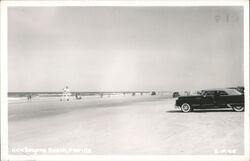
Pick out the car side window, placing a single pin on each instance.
(210, 93)
(222, 93)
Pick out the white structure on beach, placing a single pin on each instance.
(66, 93)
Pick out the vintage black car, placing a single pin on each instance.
(213, 98)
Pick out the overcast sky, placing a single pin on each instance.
(124, 48)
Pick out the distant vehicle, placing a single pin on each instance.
(214, 98)
(176, 94)
(78, 97)
(153, 93)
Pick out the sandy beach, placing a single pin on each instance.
(124, 125)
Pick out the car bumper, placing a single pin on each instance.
(177, 107)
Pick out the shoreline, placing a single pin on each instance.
(13, 100)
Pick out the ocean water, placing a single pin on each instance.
(33, 94)
(18, 97)
(49, 94)
(58, 94)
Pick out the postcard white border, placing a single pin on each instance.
(4, 79)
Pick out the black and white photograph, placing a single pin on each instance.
(125, 80)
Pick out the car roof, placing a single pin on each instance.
(225, 90)
(215, 89)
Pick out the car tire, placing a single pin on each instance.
(185, 107)
(238, 108)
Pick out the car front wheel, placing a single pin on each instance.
(238, 108)
(185, 107)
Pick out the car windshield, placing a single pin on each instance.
(232, 92)
(203, 92)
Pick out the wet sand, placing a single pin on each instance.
(125, 125)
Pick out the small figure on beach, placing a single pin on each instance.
(29, 97)
(66, 93)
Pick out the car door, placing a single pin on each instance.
(208, 99)
(221, 98)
